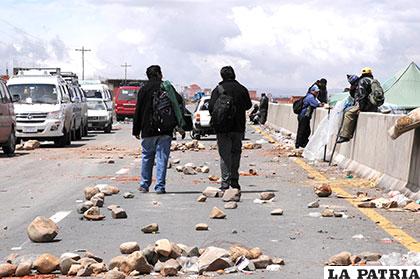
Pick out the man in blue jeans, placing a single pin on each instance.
(155, 144)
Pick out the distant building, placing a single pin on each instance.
(253, 94)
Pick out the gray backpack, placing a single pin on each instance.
(376, 96)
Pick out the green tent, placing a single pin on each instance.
(403, 89)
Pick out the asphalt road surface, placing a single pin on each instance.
(50, 181)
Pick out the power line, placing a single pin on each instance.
(125, 71)
(83, 50)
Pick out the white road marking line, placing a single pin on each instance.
(123, 171)
(59, 216)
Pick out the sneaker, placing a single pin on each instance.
(143, 190)
(160, 191)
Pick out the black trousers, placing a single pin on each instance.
(230, 149)
(303, 132)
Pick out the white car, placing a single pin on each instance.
(44, 110)
(99, 115)
(201, 119)
(94, 89)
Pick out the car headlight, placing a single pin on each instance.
(55, 115)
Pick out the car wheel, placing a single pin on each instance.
(120, 118)
(62, 141)
(10, 147)
(108, 128)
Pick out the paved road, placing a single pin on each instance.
(49, 181)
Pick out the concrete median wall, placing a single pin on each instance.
(395, 164)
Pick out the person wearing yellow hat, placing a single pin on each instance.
(368, 97)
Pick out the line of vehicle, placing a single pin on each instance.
(398, 234)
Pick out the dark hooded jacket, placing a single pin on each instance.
(241, 99)
(362, 94)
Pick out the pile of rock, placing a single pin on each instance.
(95, 199)
(192, 146)
(192, 169)
(164, 257)
(346, 259)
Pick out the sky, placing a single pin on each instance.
(277, 46)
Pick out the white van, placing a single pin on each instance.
(44, 110)
(94, 89)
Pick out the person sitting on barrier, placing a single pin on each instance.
(253, 116)
(310, 103)
(368, 96)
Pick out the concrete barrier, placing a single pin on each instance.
(372, 154)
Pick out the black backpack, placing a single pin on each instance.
(223, 115)
(298, 105)
(163, 114)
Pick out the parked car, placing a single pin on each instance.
(99, 115)
(44, 111)
(201, 119)
(125, 101)
(7, 121)
(77, 97)
(95, 89)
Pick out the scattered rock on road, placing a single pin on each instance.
(170, 268)
(93, 214)
(81, 208)
(213, 178)
(202, 227)
(46, 263)
(129, 247)
(201, 198)
(31, 145)
(128, 195)
(114, 274)
(163, 247)
(265, 196)
(42, 229)
(323, 190)
(231, 205)
(327, 213)
(212, 192)
(90, 192)
(97, 201)
(314, 204)
(210, 260)
(151, 228)
(342, 258)
(368, 204)
(23, 268)
(277, 212)
(7, 270)
(231, 195)
(118, 213)
(216, 213)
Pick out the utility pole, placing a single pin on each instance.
(83, 50)
(125, 72)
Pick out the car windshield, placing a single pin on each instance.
(93, 93)
(35, 93)
(127, 95)
(205, 105)
(96, 105)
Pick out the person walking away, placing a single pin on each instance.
(368, 97)
(157, 114)
(228, 104)
(263, 113)
(323, 92)
(310, 103)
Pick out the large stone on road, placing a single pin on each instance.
(119, 213)
(24, 268)
(170, 268)
(93, 214)
(163, 247)
(65, 264)
(74, 269)
(341, 259)
(116, 262)
(136, 261)
(90, 192)
(98, 268)
(7, 270)
(217, 213)
(209, 260)
(151, 228)
(277, 212)
(201, 227)
(114, 274)
(42, 229)
(212, 192)
(323, 190)
(46, 263)
(129, 247)
(231, 195)
(262, 262)
(265, 196)
(230, 205)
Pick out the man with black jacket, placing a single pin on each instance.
(229, 140)
(155, 143)
(263, 108)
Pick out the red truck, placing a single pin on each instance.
(125, 101)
